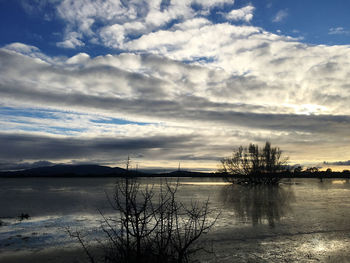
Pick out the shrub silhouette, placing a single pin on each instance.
(150, 227)
(254, 165)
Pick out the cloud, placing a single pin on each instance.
(118, 19)
(202, 105)
(71, 41)
(192, 43)
(177, 74)
(148, 151)
(280, 16)
(113, 36)
(19, 146)
(23, 165)
(129, 83)
(211, 3)
(80, 58)
(340, 163)
(338, 31)
(22, 48)
(113, 23)
(245, 14)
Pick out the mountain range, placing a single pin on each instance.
(91, 170)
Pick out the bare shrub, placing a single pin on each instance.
(150, 227)
(254, 165)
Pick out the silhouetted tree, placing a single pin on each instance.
(150, 227)
(312, 170)
(254, 165)
(298, 170)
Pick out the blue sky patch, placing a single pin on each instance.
(29, 113)
(118, 121)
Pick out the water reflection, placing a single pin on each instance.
(53, 196)
(258, 204)
(330, 184)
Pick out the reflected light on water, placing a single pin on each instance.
(206, 183)
(322, 246)
(338, 181)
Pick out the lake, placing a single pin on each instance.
(302, 220)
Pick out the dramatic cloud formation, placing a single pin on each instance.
(116, 22)
(180, 86)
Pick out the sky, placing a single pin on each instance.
(169, 82)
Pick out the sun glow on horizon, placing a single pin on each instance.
(308, 109)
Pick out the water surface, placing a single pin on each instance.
(302, 220)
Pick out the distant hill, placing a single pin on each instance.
(90, 170)
(68, 170)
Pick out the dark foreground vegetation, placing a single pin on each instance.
(149, 225)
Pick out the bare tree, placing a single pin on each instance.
(150, 226)
(253, 165)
